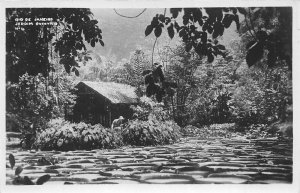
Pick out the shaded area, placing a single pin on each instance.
(102, 102)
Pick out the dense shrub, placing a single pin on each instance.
(261, 96)
(63, 135)
(220, 110)
(35, 100)
(153, 132)
(149, 109)
(153, 125)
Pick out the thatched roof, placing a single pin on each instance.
(115, 92)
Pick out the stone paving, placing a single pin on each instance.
(191, 161)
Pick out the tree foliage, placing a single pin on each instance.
(181, 70)
(262, 96)
(208, 103)
(35, 100)
(268, 29)
(131, 72)
(201, 27)
(28, 47)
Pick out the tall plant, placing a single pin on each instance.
(34, 100)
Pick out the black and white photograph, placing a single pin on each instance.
(168, 95)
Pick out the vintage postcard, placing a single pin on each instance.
(196, 94)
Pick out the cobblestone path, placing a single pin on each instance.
(192, 160)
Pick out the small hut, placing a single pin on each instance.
(102, 102)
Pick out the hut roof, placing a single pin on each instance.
(115, 92)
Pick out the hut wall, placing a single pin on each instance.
(92, 107)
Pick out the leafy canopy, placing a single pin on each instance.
(270, 28)
(28, 47)
(198, 25)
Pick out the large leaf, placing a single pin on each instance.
(234, 10)
(154, 22)
(148, 30)
(67, 68)
(228, 18)
(221, 47)
(157, 31)
(18, 170)
(185, 19)
(237, 21)
(171, 31)
(101, 42)
(93, 43)
(27, 181)
(161, 18)
(242, 10)
(12, 160)
(197, 15)
(175, 12)
(177, 27)
(255, 53)
(198, 49)
(43, 179)
(218, 29)
(261, 35)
